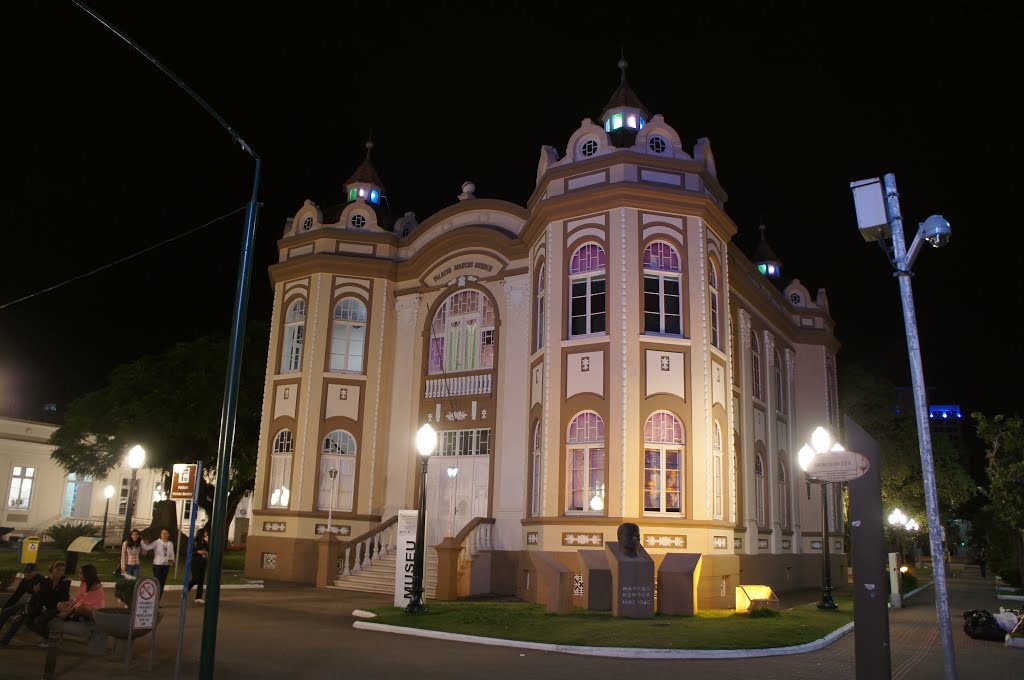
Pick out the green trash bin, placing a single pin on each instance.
(29, 552)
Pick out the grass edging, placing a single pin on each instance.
(621, 652)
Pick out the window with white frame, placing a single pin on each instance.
(780, 384)
(122, 498)
(348, 336)
(663, 464)
(294, 328)
(462, 334)
(535, 498)
(662, 285)
(337, 453)
(716, 453)
(463, 443)
(755, 363)
(783, 492)
(587, 291)
(22, 480)
(585, 458)
(539, 317)
(713, 303)
(760, 491)
(279, 488)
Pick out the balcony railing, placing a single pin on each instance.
(458, 386)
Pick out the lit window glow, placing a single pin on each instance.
(374, 196)
(352, 194)
(631, 120)
(362, 192)
(763, 268)
(616, 121)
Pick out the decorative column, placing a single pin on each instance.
(746, 415)
(402, 406)
(771, 434)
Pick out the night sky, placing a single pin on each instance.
(104, 156)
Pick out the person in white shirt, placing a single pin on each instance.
(163, 557)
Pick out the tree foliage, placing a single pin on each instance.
(170, 404)
(871, 401)
(1004, 450)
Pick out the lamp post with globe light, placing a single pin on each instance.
(426, 441)
(821, 444)
(898, 520)
(136, 457)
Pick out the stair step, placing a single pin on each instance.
(379, 576)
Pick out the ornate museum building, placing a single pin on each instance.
(604, 354)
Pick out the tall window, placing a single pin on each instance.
(539, 318)
(713, 303)
(587, 291)
(662, 308)
(783, 492)
(463, 443)
(21, 487)
(279, 489)
(348, 336)
(716, 452)
(780, 384)
(337, 453)
(663, 464)
(586, 463)
(755, 363)
(294, 327)
(760, 491)
(462, 334)
(535, 472)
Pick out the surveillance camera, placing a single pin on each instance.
(936, 231)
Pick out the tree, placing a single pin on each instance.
(1004, 450)
(171, 403)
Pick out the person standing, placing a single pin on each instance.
(131, 550)
(163, 557)
(200, 551)
(982, 562)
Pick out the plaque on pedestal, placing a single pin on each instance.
(677, 584)
(632, 575)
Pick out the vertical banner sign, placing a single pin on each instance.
(405, 544)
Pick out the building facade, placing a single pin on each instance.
(604, 354)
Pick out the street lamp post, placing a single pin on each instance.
(136, 457)
(453, 473)
(426, 440)
(333, 473)
(821, 443)
(878, 218)
(898, 520)
(107, 493)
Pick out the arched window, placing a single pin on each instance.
(587, 291)
(713, 303)
(663, 464)
(294, 327)
(755, 363)
(348, 336)
(462, 334)
(783, 492)
(338, 453)
(539, 317)
(535, 498)
(780, 384)
(585, 457)
(716, 451)
(662, 307)
(279, 488)
(760, 491)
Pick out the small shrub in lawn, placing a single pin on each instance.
(64, 534)
(7, 578)
(763, 613)
(908, 581)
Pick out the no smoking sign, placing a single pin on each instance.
(144, 609)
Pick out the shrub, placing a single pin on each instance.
(908, 582)
(7, 578)
(124, 590)
(763, 613)
(64, 534)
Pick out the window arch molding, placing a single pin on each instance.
(534, 471)
(474, 338)
(663, 299)
(761, 488)
(293, 332)
(540, 293)
(665, 469)
(715, 299)
(279, 472)
(339, 451)
(587, 285)
(757, 379)
(350, 323)
(783, 481)
(586, 464)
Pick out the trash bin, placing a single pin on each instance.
(28, 549)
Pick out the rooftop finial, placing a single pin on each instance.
(369, 145)
(623, 64)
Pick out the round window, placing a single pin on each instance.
(358, 221)
(794, 298)
(657, 144)
(589, 147)
(307, 224)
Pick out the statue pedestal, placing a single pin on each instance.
(632, 582)
(677, 584)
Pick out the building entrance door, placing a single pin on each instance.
(453, 500)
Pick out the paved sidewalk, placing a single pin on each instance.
(289, 630)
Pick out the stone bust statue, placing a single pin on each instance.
(629, 539)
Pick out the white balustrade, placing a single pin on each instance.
(458, 386)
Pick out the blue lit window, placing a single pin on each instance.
(608, 125)
(945, 414)
(374, 196)
(641, 123)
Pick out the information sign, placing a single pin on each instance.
(183, 481)
(147, 594)
(405, 559)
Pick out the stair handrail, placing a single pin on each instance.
(367, 547)
(474, 538)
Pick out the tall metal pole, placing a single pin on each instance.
(130, 508)
(106, 509)
(416, 597)
(923, 432)
(826, 577)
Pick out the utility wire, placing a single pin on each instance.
(125, 258)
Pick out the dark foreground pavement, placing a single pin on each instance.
(289, 630)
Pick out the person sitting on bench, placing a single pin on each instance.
(52, 592)
(90, 597)
(46, 593)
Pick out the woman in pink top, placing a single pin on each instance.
(90, 597)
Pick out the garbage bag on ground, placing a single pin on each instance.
(1006, 620)
(980, 624)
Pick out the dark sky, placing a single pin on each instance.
(105, 155)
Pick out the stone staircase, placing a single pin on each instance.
(379, 576)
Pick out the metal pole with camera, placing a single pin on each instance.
(879, 218)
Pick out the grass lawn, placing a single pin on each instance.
(107, 562)
(710, 629)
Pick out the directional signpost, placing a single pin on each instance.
(837, 466)
(186, 480)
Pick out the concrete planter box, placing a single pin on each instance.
(115, 622)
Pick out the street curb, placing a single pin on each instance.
(620, 652)
(227, 586)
